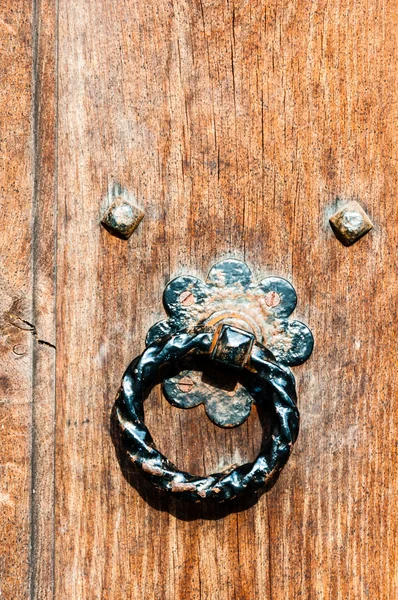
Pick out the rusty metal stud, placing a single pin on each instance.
(185, 384)
(350, 223)
(122, 218)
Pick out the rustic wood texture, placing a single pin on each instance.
(27, 294)
(237, 126)
(16, 298)
(44, 270)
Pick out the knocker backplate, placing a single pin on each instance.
(227, 343)
(229, 296)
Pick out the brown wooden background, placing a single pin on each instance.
(237, 125)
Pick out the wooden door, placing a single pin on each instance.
(238, 127)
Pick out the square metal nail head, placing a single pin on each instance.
(350, 223)
(122, 218)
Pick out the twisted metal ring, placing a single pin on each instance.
(160, 360)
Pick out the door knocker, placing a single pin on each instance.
(232, 325)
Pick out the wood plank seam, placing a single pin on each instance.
(44, 117)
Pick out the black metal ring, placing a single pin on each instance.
(164, 357)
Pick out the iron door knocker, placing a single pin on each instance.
(227, 323)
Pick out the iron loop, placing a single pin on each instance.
(162, 359)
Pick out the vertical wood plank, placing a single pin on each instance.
(136, 108)
(333, 83)
(237, 126)
(27, 239)
(44, 265)
(16, 340)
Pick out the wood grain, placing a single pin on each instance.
(239, 128)
(16, 277)
(44, 275)
(27, 239)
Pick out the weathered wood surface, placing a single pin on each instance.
(15, 297)
(237, 126)
(27, 294)
(44, 273)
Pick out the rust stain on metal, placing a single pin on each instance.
(227, 402)
(184, 487)
(151, 469)
(272, 299)
(230, 296)
(230, 300)
(187, 298)
(232, 347)
(185, 384)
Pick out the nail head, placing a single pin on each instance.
(350, 223)
(122, 218)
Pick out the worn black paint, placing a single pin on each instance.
(271, 382)
(233, 347)
(228, 325)
(230, 295)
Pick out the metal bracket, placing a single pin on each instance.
(230, 297)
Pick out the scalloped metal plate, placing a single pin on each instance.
(230, 296)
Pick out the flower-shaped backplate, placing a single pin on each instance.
(229, 296)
